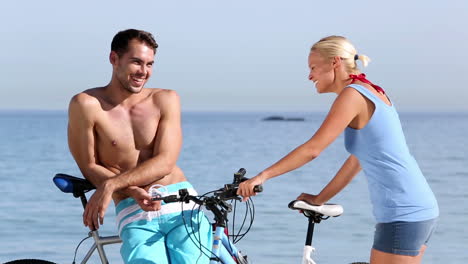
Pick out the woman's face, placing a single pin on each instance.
(321, 72)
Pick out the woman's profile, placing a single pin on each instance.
(404, 205)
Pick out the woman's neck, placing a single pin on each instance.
(342, 80)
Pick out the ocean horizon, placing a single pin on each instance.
(38, 221)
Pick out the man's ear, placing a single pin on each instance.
(113, 57)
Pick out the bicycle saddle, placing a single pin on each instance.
(71, 184)
(326, 209)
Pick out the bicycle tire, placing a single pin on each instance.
(29, 261)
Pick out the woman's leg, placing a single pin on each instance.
(401, 242)
(379, 257)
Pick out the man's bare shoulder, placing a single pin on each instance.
(87, 97)
(157, 93)
(163, 97)
(166, 100)
(87, 101)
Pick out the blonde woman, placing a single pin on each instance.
(404, 206)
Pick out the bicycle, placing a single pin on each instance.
(315, 214)
(223, 250)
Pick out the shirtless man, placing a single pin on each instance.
(126, 138)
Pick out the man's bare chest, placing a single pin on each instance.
(124, 132)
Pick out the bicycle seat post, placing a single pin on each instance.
(308, 248)
(310, 232)
(83, 199)
(313, 218)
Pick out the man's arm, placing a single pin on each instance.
(83, 111)
(81, 139)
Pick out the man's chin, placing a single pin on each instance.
(134, 90)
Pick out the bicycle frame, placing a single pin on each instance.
(99, 243)
(222, 251)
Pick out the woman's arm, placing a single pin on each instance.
(347, 106)
(343, 177)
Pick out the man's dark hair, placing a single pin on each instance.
(120, 41)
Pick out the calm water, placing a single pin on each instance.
(38, 221)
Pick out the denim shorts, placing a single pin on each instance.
(403, 238)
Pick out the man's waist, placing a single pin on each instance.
(175, 177)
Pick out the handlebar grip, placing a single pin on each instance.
(167, 199)
(171, 199)
(258, 188)
(241, 172)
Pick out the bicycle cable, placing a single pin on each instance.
(250, 210)
(196, 241)
(76, 249)
(198, 215)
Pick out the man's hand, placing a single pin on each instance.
(143, 199)
(97, 205)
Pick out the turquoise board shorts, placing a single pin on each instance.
(161, 236)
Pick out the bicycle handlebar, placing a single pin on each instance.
(217, 202)
(228, 192)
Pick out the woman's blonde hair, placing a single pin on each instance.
(338, 46)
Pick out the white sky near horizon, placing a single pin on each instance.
(235, 55)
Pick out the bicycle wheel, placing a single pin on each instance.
(29, 261)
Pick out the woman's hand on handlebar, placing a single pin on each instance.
(246, 188)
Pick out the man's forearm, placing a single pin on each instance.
(98, 174)
(144, 174)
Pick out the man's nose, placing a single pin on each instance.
(143, 69)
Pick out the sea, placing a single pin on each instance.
(39, 221)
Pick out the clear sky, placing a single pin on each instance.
(225, 55)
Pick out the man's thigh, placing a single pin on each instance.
(143, 246)
(193, 246)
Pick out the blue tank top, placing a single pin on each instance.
(397, 187)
